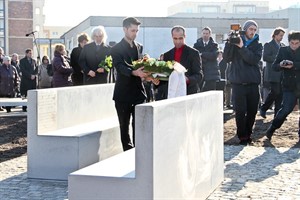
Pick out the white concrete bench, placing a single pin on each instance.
(13, 102)
(178, 155)
(70, 128)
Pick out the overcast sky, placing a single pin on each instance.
(72, 12)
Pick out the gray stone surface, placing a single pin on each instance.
(175, 157)
(250, 173)
(64, 137)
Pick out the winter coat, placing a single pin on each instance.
(61, 71)
(9, 81)
(269, 55)
(244, 67)
(45, 81)
(28, 67)
(209, 54)
(291, 77)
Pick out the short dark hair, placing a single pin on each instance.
(294, 35)
(130, 20)
(178, 28)
(277, 31)
(83, 37)
(45, 58)
(28, 50)
(206, 28)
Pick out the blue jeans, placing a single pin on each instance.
(288, 103)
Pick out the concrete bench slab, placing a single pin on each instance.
(179, 154)
(13, 102)
(70, 128)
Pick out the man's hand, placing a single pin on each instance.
(139, 72)
(32, 77)
(286, 64)
(100, 70)
(155, 81)
(92, 73)
(241, 44)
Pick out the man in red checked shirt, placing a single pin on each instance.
(187, 57)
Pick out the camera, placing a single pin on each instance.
(235, 33)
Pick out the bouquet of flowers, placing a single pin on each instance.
(106, 63)
(158, 68)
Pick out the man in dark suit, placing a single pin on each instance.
(77, 76)
(209, 51)
(92, 54)
(129, 90)
(29, 71)
(272, 77)
(187, 57)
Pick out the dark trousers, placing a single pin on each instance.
(209, 85)
(162, 91)
(288, 103)
(275, 96)
(125, 111)
(246, 99)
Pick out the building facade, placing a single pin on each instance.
(155, 32)
(230, 6)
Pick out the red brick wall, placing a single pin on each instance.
(20, 22)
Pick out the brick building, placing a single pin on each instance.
(17, 18)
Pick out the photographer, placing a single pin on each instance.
(287, 61)
(245, 77)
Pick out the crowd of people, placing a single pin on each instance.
(237, 70)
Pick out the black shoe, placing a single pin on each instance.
(262, 113)
(270, 132)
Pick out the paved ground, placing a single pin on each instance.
(250, 173)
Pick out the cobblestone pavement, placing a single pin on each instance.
(250, 173)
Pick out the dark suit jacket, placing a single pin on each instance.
(77, 76)
(27, 70)
(128, 88)
(190, 59)
(90, 58)
(269, 55)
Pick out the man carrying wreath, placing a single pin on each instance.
(187, 57)
(129, 89)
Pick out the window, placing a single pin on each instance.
(244, 9)
(208, 9)
(1, 5)
(2, 42)
(37, 11)
(1, 23)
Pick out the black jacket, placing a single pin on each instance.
(77, 76)
(190, 59)
(128, 88)
(269, 55)
(28, 69)
(9, 80)
(291, 77)
(209, 54)
(244, 62)
(90, 58)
